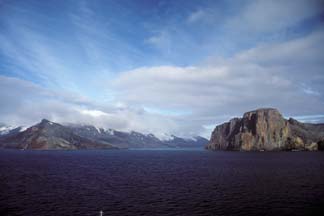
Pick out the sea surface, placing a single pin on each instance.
(161, 182)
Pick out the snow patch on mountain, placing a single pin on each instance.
(5, 129)
(109, 131)
(166, 137)
(98, 129)
(22, 128)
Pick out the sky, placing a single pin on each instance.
(163, 67)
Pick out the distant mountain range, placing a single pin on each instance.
(266, 130)
(48, 135)
(258, 130)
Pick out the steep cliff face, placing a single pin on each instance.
(266, 129)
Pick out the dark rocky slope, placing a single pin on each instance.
(117, 138)
(197, 141)
(266, 129)
(134, 139)
(49, 135)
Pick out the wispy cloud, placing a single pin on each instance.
(196, 16)
(264, 16)
(310, 118)
(161, 40)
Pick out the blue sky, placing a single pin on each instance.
(184, 65)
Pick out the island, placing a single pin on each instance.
(266, 130)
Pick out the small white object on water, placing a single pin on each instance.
(101, 213)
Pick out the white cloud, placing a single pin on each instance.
(306, 50)
(196, 16)
(93, 113)
(266, 76)
(161, 40)
(309, 91)
(263, 16)
(25, 103)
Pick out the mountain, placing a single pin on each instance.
(134, 139)
(8, 130)
(266, 129)
(175, 141)
(49, 135)
(116, 138)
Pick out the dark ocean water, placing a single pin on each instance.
(144, 182)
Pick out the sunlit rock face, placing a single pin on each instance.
(266, 129)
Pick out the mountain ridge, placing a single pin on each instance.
(51, 135)
(47, 135)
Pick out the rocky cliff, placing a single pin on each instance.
(266, 129)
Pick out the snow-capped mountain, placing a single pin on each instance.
(6, 130)
(50, 135)
(134, 139)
